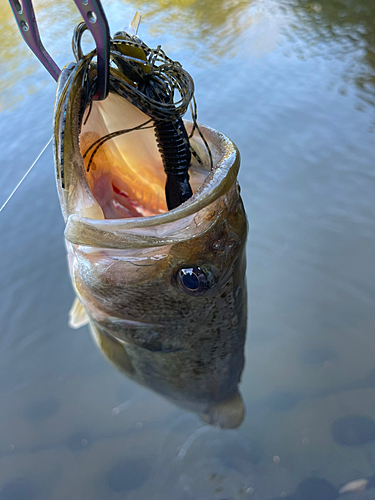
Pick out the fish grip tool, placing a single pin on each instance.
(96, 21)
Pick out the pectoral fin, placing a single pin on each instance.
(77, 315)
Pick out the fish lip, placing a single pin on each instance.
(91, 232)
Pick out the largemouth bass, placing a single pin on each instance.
(164, 291)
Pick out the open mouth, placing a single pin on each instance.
(125, 173)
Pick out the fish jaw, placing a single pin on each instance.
(71, 139)
(121, 178)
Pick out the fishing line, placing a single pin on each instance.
(24, 177)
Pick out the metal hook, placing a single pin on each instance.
(96, 21)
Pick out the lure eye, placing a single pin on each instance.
(192, 280)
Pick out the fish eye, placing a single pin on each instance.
(192, 280)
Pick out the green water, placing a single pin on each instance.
(293, 84)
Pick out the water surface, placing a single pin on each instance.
(293, 84)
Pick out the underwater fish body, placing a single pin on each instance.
(164, 292)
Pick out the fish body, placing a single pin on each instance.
(164, 292)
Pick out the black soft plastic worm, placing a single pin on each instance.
(173, 141)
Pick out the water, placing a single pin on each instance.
(293, 84)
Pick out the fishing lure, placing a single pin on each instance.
(150, 81)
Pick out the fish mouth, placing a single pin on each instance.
(123, 166)
(118, 188)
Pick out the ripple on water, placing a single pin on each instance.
(319, 355)
(41, 410)
(283, 400)
(370, 379)
(211, 463)
(353, 430)
(79, 441)
(313, 488)
(360, 495)
(128, 475)
(18, 489)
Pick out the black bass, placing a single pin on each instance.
(164, 291)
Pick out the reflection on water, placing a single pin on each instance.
(212, 31)
(12, 56)
(73, 427)
(211, 28)
(17, 63)
(342, 29)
